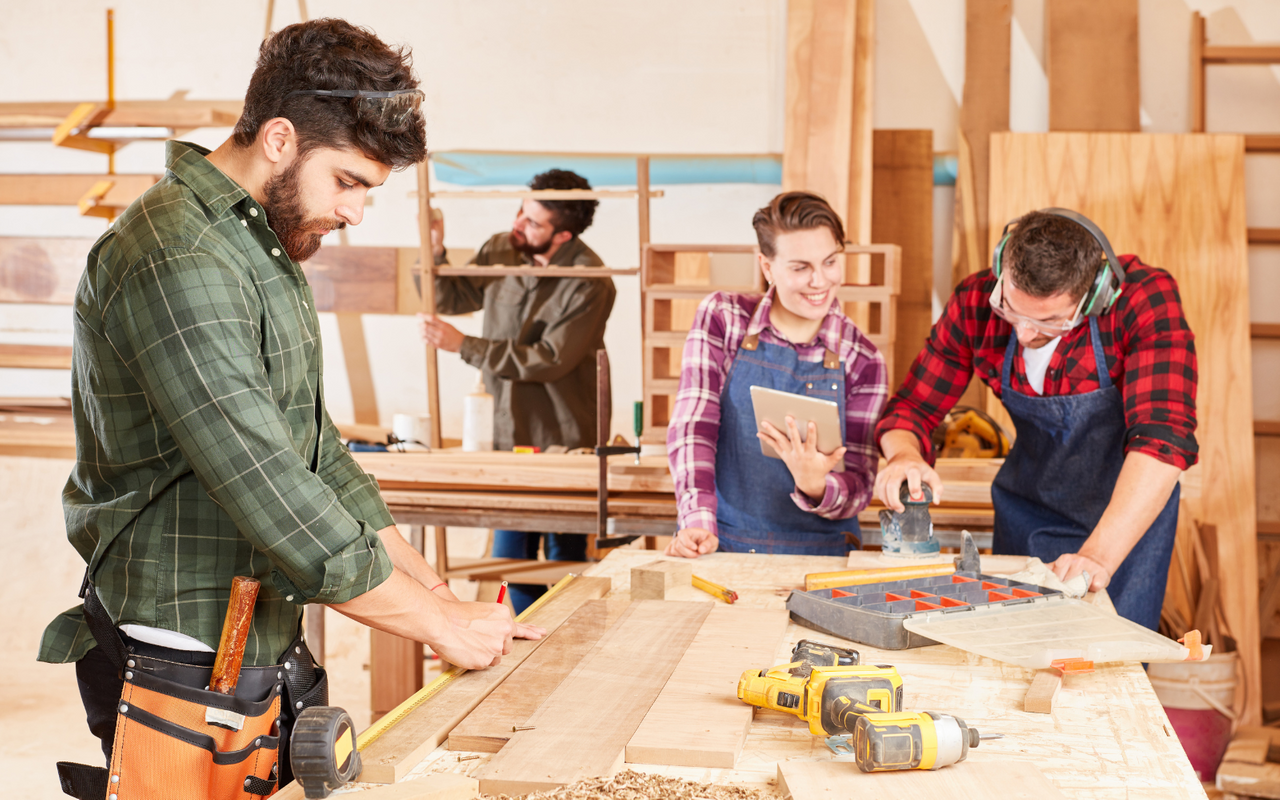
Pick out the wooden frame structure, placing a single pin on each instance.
(674, 279)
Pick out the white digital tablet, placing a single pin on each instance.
(774, 406)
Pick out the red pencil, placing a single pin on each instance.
(502, 592)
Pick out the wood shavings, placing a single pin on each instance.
(630, 785)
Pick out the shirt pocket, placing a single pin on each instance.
(289, 341)
(820, 388)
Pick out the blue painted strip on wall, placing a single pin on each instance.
(501, 169)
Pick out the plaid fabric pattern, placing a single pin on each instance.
(203, 450)
(1149, 347)
(722, 321)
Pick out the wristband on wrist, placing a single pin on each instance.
(438, 585)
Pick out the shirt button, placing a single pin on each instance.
(809, 385)
(289, 598)
(833, 386)
(275, 251)
(253, 212)
(244, 222)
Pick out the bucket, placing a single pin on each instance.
(1197, 696)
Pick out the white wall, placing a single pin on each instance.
(565, 75)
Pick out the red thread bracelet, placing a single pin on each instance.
(438, 585)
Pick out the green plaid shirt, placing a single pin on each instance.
(203, 449)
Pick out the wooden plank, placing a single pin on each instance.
(1242, 54)
(652, 581)
(67, 190)
(389, 758)
(984, 110)
(395, 670)
(427, 288)
(1043, 692)
(1265, 330)
(827, 136)
(489, 727)
(902, 213)
(1196, 106)
(437, 786)
(355, 357)
(353, 280)
(34, 356)
(1092, 55)
(583, 727)
(1264, 236)
(1177, 201)
(697, 720)
(175, 113)
(968, 780)
(41, 270)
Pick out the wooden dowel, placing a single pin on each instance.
(427, 258)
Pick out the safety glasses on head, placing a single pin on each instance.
(391, 108)
(1053, 328)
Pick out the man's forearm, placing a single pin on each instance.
(407, 559)
(1141, 492)
(898, 442)
(400, 605)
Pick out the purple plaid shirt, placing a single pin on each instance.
(722, 322)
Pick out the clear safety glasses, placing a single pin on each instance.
(391, 109)
(1046, 327)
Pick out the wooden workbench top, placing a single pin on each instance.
(1108, 739)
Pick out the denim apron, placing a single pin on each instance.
(755, 512)
(1058, 479)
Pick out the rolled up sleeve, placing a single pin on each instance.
(188, 329)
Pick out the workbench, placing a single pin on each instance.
(1108, 738)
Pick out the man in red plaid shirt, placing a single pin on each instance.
(1095, 363)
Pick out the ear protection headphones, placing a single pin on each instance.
(1110, 279)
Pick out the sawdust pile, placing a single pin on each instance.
(629, 785)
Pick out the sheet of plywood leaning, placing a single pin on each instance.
(698, 720)
(584, 725)
(1177, 201)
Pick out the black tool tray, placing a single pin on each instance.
(873, 613)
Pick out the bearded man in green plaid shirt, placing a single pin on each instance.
(203, 447)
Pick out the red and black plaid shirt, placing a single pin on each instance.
(1149, 347)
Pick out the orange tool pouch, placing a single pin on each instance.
(175, 740)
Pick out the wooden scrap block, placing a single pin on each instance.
(441, 786)
(490, 726)
(583, 728)
(390, 757)
(1043, 692)
(968, 780)
(698, 720)
(651, 581)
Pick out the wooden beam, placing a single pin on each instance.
(1265, 330)
(492, 724)
(34, 356)
(389, 758)
(178, 114)
(1199, 235)
(690, 724)
(984, 110)
(1264, 236)
(67, 190)
(902, 213)
(583, 727)
(1243, 54)
(1196, 106)
(426, 264)
(827, 138)
(1092, 55)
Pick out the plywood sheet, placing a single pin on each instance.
(902, 214)
(584, 725)
(1178, 202)
(1092, 56)
(390, 757)
(698, 720)
(490, 726)
(968, 780)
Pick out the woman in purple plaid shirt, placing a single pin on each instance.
(796, 339)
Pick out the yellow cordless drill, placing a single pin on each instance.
(911, 740)
(828, 698)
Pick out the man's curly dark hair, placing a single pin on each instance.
(574, 216)
(334, 54)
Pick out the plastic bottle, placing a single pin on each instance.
(477, 420)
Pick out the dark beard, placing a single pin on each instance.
(287, 218)
(526, 248)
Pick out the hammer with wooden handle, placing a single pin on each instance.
(235, 634)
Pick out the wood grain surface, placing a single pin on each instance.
(653, 581)
(698, 720)
(235, 634)
(583, 727)
(390, 757)
(1092, 65)
(1178, 202)
(967, 780)
(490, 726)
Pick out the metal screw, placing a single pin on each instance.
(515, 728)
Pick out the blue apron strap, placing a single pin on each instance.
(1099, 357)
(1007, 369)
